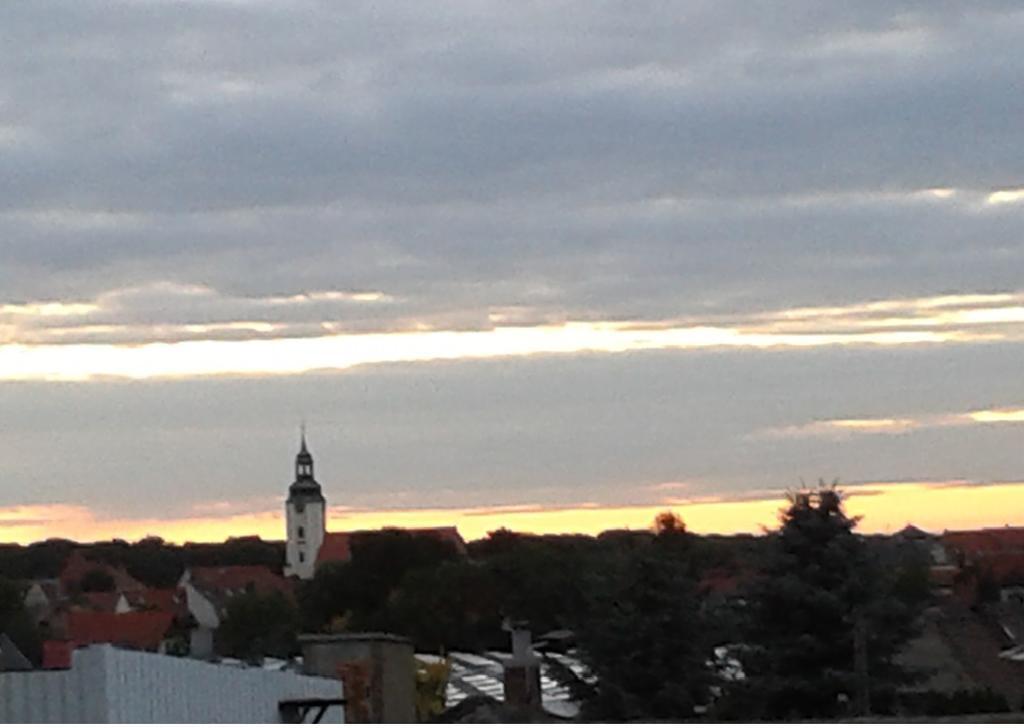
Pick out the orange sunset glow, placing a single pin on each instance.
(883, 507)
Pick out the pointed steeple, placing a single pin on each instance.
(303, 461)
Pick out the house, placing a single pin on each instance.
(78, 566)
(42, 598)
(150, 631)
(232, 580)
(168, 600)
(105, 602)
(207, 590)
(989, 558)
(147, 631)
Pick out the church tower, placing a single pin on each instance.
(304, 517)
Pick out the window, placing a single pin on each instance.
(302, 532)
(302, 557)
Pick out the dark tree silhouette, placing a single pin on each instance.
(259, 625)
(358, 591)
(824, 624)
(16, 623)
(645, 637)
(97, 580)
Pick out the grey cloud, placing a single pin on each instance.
(556, 160)
(553, 430)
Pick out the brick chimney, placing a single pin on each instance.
(376, 669)
(522, 671)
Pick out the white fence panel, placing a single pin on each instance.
(109, 685)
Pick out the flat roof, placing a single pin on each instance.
(354, 637)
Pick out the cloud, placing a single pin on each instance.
(844, 428)
(644, 164)
(181, 331)
(1003, 197)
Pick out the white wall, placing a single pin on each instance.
(108, 685)
(313, 524)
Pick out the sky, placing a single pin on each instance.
(555, 266)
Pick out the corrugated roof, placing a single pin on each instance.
(475, 675)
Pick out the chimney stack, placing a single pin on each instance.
(522, 671)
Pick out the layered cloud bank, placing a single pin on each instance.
(202, 344)
(504, 253)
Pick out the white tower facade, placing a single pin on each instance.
(305, 518)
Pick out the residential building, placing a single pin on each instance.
(104, 684)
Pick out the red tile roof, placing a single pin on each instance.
(998, 552)
(78, 565)
(987, 540)
(338, 546)
(239, 579)
(138, 630)
(444, 533)
(167, 600)
(100, 601)
(57, 654)
(1006, 569)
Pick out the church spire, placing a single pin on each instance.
(303, 461)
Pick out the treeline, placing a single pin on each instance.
(421, 587)
(802, 622)
(151, 561)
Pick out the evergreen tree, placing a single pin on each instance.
(824, 622)
(644, 638)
